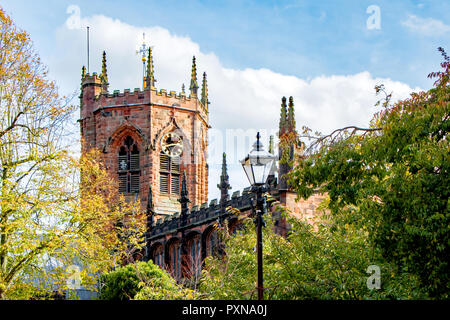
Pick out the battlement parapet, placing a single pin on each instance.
(89, 80)
(116, 98)
(205, 213)
(115, 93)
(127, 97)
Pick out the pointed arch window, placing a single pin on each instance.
(158, 257)
(212, 241)
(175, 257)
(196, 256)
(129, 167)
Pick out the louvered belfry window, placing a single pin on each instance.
(169, 174)
(129, 167)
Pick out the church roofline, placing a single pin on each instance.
(203, 214)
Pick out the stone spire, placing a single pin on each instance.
(283, 117)
(104, 75)
(194, 85)
(224, 184)
(150, 207)
(150, 78)
(83, 76)
(291, 117)
(205, 91)
(184, 200)
(271, 150)
(183, 93)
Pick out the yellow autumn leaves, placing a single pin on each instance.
(53, 206)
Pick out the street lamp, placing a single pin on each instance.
(257, 166)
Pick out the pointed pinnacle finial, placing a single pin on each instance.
(150, 205)
(83, 73)
(194, 69)
(205, 91)
(104, 75)
(184, 200)
(271, 150)
(184, 191)
(291, 116)
(194, 85)
(150, 78)
(182, 90)
(224, 184)
(150, 208)
(224, 165)
(283, 117)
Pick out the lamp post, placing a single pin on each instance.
(257, 166)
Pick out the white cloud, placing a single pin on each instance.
(426, 26)
(241, 99)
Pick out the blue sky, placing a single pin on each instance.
(321, 52)
(302, 38)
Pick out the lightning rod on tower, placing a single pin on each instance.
(87, 34)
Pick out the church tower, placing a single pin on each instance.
(149, 138)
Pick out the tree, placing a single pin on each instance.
(46, 214)
(328, 260)
(396, 173)
(142, 281)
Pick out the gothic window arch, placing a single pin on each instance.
(175, 259)
(158, 256)
(212, 242)
(196, 256)
(129, 167)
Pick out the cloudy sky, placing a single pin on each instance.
(328, 55)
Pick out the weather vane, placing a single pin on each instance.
(143, 50)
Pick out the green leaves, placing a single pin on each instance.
(142, 281)
(45, 212)
(398, 177)
(322, 261)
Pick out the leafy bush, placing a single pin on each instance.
(142, 281)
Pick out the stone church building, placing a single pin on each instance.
(155, 144)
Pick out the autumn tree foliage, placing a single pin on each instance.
(47, 214)
(396, 173)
